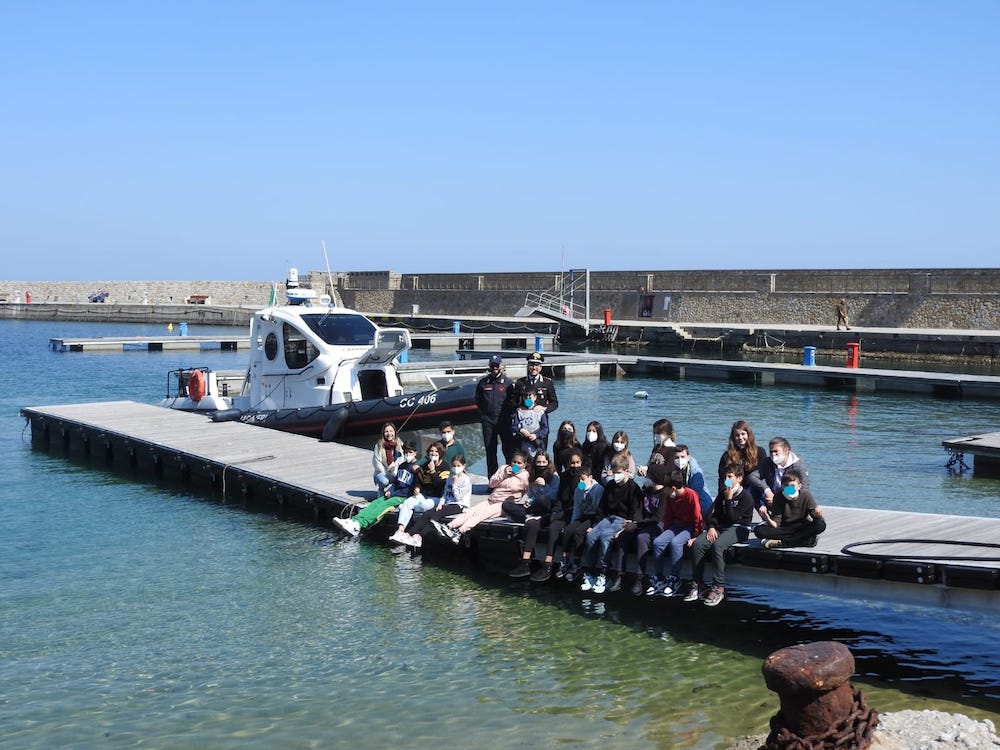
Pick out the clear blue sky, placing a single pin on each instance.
(217, 140)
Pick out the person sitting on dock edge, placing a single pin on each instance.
(553, 522)
(680, 522)
(619, 505)
(509, 483)
(727, 524)
(533, 506)
(795, 519)
(455, 499)
(404, 484)
(586, 504)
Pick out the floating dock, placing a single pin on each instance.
(527, 341)
(984, 448)
(291, 474)
(858, 379)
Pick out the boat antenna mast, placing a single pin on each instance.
(329, 276)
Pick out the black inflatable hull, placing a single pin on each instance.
(411, 411)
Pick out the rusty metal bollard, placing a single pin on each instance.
(820, 709)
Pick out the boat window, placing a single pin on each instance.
(342, 329)
(271, 346)
(299, 351)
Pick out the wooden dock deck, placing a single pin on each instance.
(318, 481)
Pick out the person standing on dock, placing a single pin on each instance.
(842, 315)
(492, 392)
(545, 389)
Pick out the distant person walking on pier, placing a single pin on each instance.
(492, 400)
(842, 315)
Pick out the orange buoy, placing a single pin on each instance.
(196, 385)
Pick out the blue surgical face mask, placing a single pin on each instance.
(529, 402)
(581, 485)
(728, 482)
(515, 468)
(789, 490)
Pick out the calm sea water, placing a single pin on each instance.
(137, 615)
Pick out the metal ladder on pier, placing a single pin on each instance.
(567, 301)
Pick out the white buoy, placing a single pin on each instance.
(640, 394)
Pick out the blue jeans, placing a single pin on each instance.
(675, 537)
(597, 548)
(417, 503)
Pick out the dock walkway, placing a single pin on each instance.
(319, 481)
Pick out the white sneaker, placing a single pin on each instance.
(348, 525)
(671, 588)
(416, 540)
(588, 583)
(399, 537)
(600, 584)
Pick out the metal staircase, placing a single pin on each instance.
(567, 301)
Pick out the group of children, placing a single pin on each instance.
(595, 505)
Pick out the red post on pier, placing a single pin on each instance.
(853, 353)
(607, 317)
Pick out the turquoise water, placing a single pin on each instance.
(134, 614)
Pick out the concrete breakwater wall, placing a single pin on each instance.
(914, 298)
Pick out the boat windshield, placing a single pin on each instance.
(342, 329)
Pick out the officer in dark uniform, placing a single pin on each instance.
(494, 399)
(545, 389)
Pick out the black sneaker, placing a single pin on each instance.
(638, 587)
(616, 585)
(543, 573)
(521, 570)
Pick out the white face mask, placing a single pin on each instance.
(410, 457)
(618, 446)
(592, 436)
(457, 469)
(447, 436)
(620, 477)
(681, 463)
(658, 439)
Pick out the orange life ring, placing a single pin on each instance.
(196, 385)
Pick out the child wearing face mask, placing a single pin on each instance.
(509, 483)
(620, 504)
(594, 447)
(586, 504)
(530, 423)
(681, 521)
(795, 520)
(404, 484)
(694, 477)
(452, 445)
(727, 524)
(661, 455)
(618, 447)
(456, 499)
